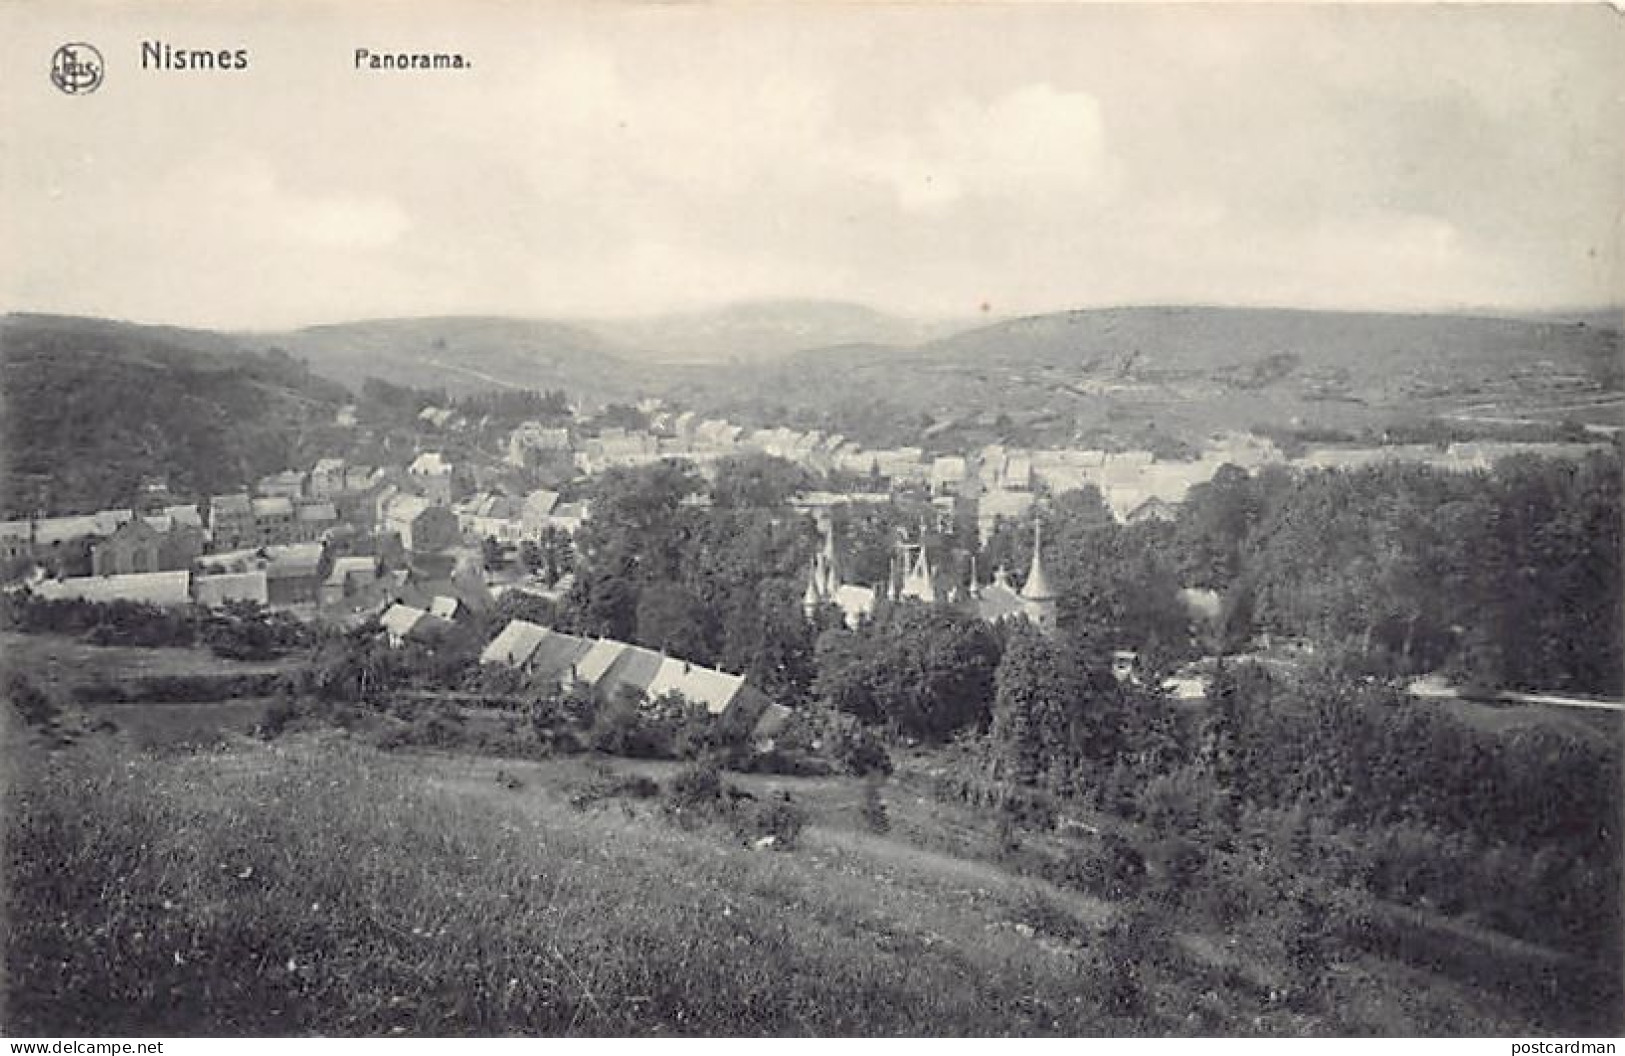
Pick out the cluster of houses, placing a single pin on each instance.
(612, 670)
(296, 538)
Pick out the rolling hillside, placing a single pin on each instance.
(1198, 368)
(92, 407)
(464, 354)
(763, 331)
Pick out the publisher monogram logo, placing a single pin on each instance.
(77, 68)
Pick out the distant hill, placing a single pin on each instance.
(464, 354)
(1190, 370)
(93, 407)
(762, 331)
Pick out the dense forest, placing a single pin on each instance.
(91, 412)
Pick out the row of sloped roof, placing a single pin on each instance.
(608, 666)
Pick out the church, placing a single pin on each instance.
(912, 579)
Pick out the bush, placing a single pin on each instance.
(780, 818)
(861, 752)
(783, 762)
(695, 787)
(1114, 870)
(873, 809)
(282, 713)
(34, 704)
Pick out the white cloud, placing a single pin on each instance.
(243, 195)
(1032, 141)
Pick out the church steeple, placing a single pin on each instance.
(1038, 597)
(919, 582)
(832, 568)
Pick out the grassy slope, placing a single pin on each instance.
(1200, 368)
(314, 886)
(465, 354)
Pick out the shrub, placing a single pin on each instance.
(860, 751)
(282, 713)
(873, 809)
(34, 704)
(780, 818)
(784, 762)
(695, 787)
(1112, 870)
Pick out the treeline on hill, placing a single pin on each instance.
(511, 406)
(91, 408)
(1324, 814)
(1508, 578)
(1505, 578)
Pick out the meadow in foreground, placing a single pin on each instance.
(316, 886)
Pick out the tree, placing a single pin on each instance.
(757, 481)
(639, 525)
(921, 671)
(673, 619)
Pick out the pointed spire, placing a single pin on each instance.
(1037, 587)
(831, 568)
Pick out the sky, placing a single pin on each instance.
(931, 160)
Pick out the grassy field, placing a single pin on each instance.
(67, 667)
(313, 885)
(63, 660)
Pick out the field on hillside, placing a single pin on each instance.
(82, 673)
(313, 885)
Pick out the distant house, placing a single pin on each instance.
(133, 547)
(138, 546)
(168, 518)
(549, 657)
(430, 476)
(327, 477)
(295, 573)
(348, 577)
(289, 484)
(999, 600)
(231, 521)
(403, 623)
(948, 475)
(492, 517)
(537, 511)
(728, 697)
(514, 644)
(214, 591)
(532, 443)
(422, 526)
(151, 588)
(313, 520)
(1152, 510)
(568, 517)
(995, 506)
(610, 668)
(16, 540)
(275, 521)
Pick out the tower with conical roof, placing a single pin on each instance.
(824, 578)
(1037, 596)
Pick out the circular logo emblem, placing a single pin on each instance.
(77, 68)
